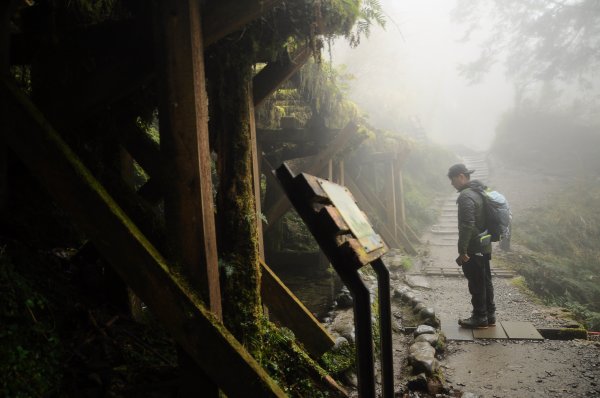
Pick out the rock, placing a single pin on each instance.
(408, 298)
(350, 378)
(339, 342)
(424, 329)
(418, 307)
(469, 395)
(422, 358)
(417, 281)
(432, 339)
(400, 291)
(344, 300)
(417, 383)
(427, 313)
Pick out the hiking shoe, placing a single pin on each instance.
(491, 320)
(474, 322)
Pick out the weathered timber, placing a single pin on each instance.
(5, 13)
(276, 73)
(256, 158)
(291, 313)
(380, 209)
(320, 162)
(143, 148)
(364, 203)
(136, 260)
(221, 18)
(185, 152)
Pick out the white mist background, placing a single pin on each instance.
(409, 72)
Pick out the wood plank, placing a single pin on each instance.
(276, 73)
(520, 330)
(221, 18)
(136, 260)
(291, 313)
(320, 161)
(453, 331)
(184, 144)
(256, 158)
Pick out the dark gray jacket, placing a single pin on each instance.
(471, 219)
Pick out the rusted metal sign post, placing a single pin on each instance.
(346, 237)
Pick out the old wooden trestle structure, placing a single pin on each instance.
(120, 222)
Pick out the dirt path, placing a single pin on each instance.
(502, 368)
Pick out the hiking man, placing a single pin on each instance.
(474, 247)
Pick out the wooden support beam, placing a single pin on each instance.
(256, 158)
(291, 313)
(379, 208)
(185, 153)
(320, 162)
(143, 148)
(221, 18)
(5, 14)
(136, 260)
(276, 73)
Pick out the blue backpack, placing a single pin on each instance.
(497, 215)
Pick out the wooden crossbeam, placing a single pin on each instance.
(321, 160)
(136, 260)
(276, 73)
(221, 18)
(288, 310)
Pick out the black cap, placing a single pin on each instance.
(459, 169)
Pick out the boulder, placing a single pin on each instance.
(424, 329)
(422, 358)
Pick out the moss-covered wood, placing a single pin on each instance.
(230, 77)
(134, 257)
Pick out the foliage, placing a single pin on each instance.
(370, 13)
(545, 45)
(287, 363)
(296, 235)
(544, 39)
(341, 359)
(29, 345)
(563, 234)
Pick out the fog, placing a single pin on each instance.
(409, 72)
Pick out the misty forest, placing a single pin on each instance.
(303, 198)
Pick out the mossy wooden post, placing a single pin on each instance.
(256, 160)
(4, 71)
(185, 155)
(237, 221)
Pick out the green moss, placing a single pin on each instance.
(30, 348)
(339, 361)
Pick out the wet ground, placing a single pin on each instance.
(504, 368)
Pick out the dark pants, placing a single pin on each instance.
(478, 274)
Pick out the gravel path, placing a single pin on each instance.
(502, 368)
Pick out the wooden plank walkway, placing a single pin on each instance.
(457, 272)
(505, 330)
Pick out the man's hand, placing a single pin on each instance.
(461, 259)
